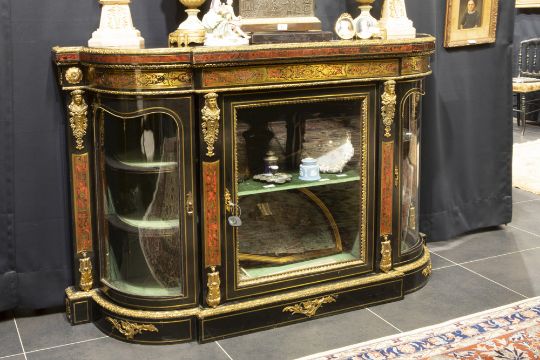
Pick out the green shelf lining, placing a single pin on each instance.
(251, 273)
(143, 166)
(251, 186)
(144, 289)
(150, 224)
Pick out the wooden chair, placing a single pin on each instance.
(527, 84)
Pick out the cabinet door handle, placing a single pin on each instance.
(189, 203)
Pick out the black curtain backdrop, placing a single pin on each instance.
(465, 158)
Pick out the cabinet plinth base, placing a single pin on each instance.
(242, 317)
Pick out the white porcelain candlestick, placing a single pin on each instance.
(366, 26)
(116, 27)
(394, 21)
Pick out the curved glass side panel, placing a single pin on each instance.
(301, 170)
(410, 152)
(140, 185)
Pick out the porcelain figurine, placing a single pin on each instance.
(223, 26)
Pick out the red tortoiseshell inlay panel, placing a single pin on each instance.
(387, 189)
(211, 195)
(256, 54)
(81, 202)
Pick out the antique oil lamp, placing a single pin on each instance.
(191, 31)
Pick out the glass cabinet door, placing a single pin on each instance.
(301, 178)
(410, 154)
(140, 197)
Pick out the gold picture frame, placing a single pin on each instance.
(470, 22)
(523, 4)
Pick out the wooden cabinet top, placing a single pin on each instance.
(221, 68)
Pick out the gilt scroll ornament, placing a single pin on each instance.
(85, 269)
(213, 298)
(77, 117)
(388, 109)
(210, 122)
(386, 254)
(309, 307)
(129, 329)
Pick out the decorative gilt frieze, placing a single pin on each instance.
(414, 65)
(77, 117)
(388, 108)
(386, 254)
(213, 297)
(427, 270)
(129, 329)
(73, 75)
(140, 79)
(309, 307)
(85, 269)
(273, 74)
(210, 122)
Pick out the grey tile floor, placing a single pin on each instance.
(471, 273)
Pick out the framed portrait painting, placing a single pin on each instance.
(470, 22)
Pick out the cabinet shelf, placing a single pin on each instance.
(141, 166)
(251, 187)
(132, 225)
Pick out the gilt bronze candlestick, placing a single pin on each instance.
(191, 31)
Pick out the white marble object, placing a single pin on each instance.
(116, 27)
(223, 26)
(394, 21)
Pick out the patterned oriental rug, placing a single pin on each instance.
(526, 166)
(507, 332)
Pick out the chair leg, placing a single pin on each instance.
(523, 112)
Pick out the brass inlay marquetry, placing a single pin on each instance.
(388, 108)
(213, 297)
(427, 270)
(77, 117)
(272, 74)
(139, 79)
(386, 254)
(73, 75)
(414, 65)
(129, 329)
(210, 122)
(85, 269)
(309, 307)
(82, 214)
